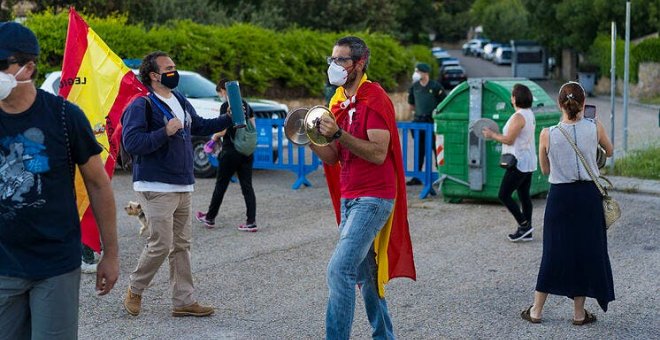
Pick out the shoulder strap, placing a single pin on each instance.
(72, 172)
(584, 162)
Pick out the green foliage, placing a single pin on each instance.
(505, 20)
(276, 63)
(640, 163)
(422, 54)
(600, 54)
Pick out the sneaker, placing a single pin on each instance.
(132, 302)
(193, 310)
(522, 234)
(88, 268)
(414, 181)
(252, 227)
(201, 218)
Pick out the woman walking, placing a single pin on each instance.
(518, 140)
(575, 262)
(231, 161)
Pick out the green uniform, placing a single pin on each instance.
(425, 99)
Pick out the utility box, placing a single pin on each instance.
(470, 166)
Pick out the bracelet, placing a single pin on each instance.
(337, 134)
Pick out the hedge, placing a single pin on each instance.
(600, 54)
(266, 62)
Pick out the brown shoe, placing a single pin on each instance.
(132, 302)
(588, 318)
(193, 310)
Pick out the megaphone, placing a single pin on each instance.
(301, 126)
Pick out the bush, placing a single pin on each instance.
(266, 62)
(600, 54)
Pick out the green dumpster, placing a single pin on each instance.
(469, 166)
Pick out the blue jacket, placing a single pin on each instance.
(156, 156)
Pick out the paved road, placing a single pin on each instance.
(472, 282)
(643, 120)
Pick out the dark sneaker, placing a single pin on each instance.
(522, 234)
(252, 227)
(414, 181)
(201, 218)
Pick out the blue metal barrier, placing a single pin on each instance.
(275, 152)
(427, 176)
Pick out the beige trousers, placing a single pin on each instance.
(169, 234)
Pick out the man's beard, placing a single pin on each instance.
(350, 80)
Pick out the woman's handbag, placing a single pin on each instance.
(611, 207)
(508, 161)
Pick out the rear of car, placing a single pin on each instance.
(451, 76)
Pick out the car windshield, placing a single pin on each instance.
(196, 86)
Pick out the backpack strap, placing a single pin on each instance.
(67, 141)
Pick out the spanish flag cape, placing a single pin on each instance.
(98, 81)
(394, 255)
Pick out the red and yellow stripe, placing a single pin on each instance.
(98, 81)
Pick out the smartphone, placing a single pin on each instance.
(590, 111)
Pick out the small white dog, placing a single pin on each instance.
(134, 209)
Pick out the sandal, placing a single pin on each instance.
(527, 315)
(588, 318)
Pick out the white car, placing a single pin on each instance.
(203, 97)
(502, 55)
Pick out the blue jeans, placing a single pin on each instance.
(40, 309)
(354, 262)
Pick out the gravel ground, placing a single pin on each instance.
(471, 281)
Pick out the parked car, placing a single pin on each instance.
(478, 49)
(449, 62)
(437, 51)
(490, 49)
(441, 57)
(203, 97)
(502, 55)
(452, 76)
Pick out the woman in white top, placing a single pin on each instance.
(575, 262)
(518, 139)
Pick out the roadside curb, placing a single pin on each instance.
(635, 185)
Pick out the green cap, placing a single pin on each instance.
(423, 67)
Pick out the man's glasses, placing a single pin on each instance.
(4, 64)
(341, 61)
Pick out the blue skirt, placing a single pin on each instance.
(575, 260)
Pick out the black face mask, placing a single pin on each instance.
(170, 79)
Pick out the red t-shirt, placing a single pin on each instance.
(358, 177)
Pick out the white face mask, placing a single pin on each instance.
(337, 75)
(8, 82)
(416, 77)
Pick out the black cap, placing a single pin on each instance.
(423, 67)
(15, 37)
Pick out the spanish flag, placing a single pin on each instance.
(394, 254)
(98, 81)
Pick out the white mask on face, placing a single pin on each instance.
(337, 75)
(8, 82)
(416, 77)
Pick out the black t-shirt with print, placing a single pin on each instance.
(39, 223)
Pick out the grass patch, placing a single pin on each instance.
(652, 100)
(639, 163)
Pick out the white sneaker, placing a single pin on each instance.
(88, 268)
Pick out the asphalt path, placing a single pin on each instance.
(471, 281)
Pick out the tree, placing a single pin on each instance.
(505, 20)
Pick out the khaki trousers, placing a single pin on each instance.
(169, 234)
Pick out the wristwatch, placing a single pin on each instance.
(337, 134)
